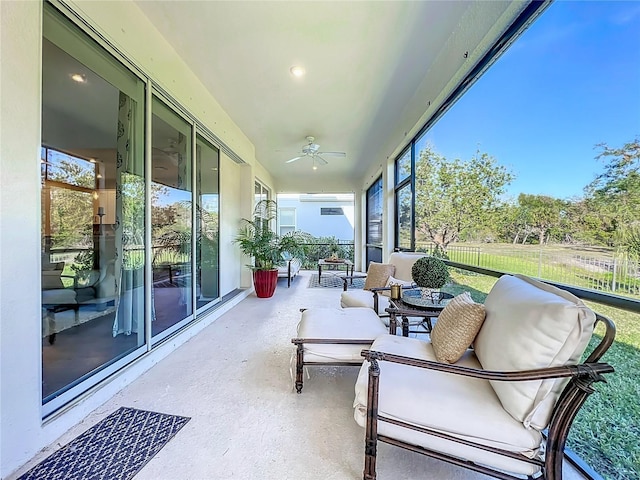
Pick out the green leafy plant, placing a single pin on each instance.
(258, 240)
(83, 262)
(430, 272)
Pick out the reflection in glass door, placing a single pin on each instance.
(92, 195)
(207, 208)
(171, 220)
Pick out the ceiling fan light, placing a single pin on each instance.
(79, 78)
(297, 71)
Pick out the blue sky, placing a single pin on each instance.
(571, 81)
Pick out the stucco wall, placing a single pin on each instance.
(20, 325)
(310, 220)
(23, 433)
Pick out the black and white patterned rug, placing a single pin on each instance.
(333, 280)
(116, 448)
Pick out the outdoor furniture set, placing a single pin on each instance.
(494, 389)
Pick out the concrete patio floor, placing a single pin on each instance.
(247, 422)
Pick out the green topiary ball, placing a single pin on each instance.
(430, 272)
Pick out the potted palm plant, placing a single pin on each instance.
(268, 249)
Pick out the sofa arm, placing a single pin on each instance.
(593, 370)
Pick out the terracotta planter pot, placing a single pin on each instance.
(265, 281)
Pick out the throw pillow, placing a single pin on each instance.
(390, 280)
(531, 325)
(456, 327)
(377, 275)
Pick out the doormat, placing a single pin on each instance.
(331, 280)
(116, 448)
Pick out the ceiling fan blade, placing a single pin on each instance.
(321, 160)
(293, 159)
(163, 156)
(333, 154)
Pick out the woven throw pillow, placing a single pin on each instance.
(377, 275)
(456, 327)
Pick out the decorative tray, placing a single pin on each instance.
(334, 260)
(435, 299)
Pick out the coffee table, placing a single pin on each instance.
(337, 264)
(426, 311)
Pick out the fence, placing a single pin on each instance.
(316, 251)
(606, 273)
(161, 255)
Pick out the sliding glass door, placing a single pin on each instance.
(96, 296)
(92, 199)
(171, 218)
(207, 223)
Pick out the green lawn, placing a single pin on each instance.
(606, 433)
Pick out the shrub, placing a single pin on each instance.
(430, 272)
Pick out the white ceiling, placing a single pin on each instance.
(372, 68)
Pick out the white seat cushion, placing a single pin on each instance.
(404, 263)
(465, 407)
(529, 325)
(337, 323)
(363, 298)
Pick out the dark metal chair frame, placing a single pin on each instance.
(575, 393)
(300, 363)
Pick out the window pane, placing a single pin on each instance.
(86, 231)
(403, 166)
(170, 218)
(404, 213)
(374, 213)
(207, 236)
(60, 167)
(288, 216)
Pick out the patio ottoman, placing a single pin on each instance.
(335, 337)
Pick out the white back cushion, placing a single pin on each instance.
(528, 325)
(404, 262)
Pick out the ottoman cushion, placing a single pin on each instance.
(356, 323)
(363, 298)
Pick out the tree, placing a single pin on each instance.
(542, 213)
(454, 195)
(615, 194)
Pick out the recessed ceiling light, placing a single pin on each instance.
(78, 77)
(297, 71)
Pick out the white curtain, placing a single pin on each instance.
(129, 238)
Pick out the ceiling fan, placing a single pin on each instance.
(311, 150)
(167, 154)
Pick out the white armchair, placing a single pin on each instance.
(487, 411)
(398, 270)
